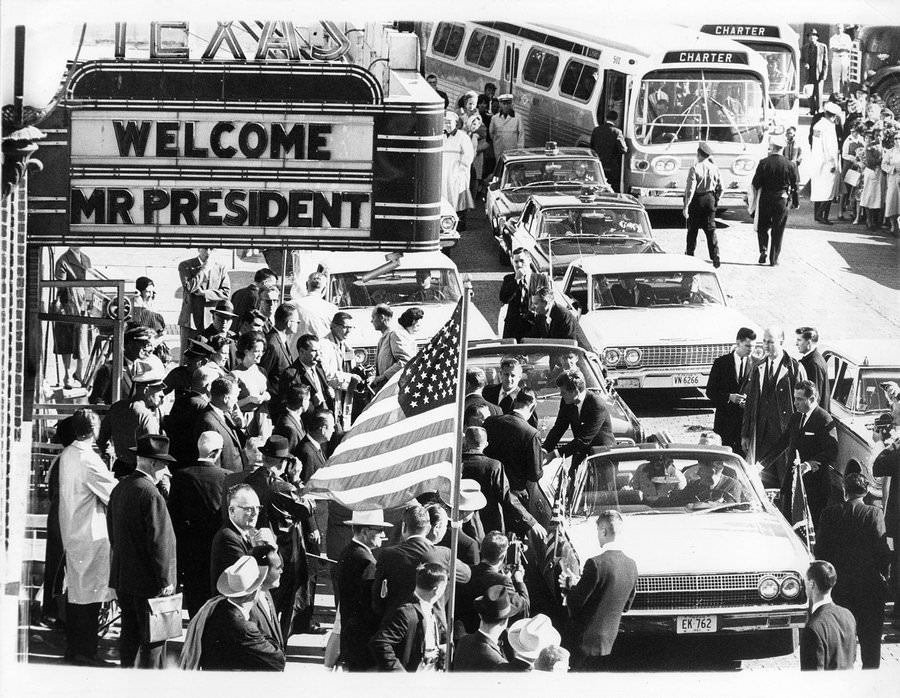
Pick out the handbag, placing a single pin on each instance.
(852, 177)
(164, 618)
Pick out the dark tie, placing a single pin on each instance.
(789, 151)
(523, 296)
(743, 370)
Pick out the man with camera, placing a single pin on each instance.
(887, 464)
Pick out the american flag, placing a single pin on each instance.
(404, 442)
(801, 519)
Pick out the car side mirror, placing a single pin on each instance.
(494, 185)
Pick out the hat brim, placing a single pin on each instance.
(384, 524)
(224, 312)
(512, 636)
(505, 613)
(474, 501)
(159, 456)
(275, 455)
(230, 593)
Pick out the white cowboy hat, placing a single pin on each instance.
(242, 578)
(470, 496)
(373, 518)
(529, 636)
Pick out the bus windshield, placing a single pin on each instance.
(700, 105)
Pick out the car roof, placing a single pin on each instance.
(540, 154)
(337, 262)
(599, 199)
(878, 352)
(617, 263)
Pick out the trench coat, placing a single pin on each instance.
(824, 155)
(458, 155)
(85, 484)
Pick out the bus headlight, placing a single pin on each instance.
(633, 357)
(665, 165)
(448, 223)
(611, 357)
(790, 587)
(640, 165)
(768, 588)
(743, 166)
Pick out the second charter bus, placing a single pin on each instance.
(671, 87)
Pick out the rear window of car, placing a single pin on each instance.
(482, 49)
(448, 38)
(540, 68)
(578, 80)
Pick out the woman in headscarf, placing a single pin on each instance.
(458, 155)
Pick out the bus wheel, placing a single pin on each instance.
(889, 89)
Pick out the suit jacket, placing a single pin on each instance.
(395, 349)
(179, 426)
(723, 381)
(292, 429)
(233, 457)
(310, 456)
(321, 396)
(277, 357)
(816, 371)
(591, 426)
(622, 296)
(491, 393)
(503, 511)
(477, 652)
(353, 578)
(227, 546)
(477, 399)
(519, 321)
(143, 559)
(608, 141)
(232, 643)
(267, 622)
(244, 300)
(484, 577)
(851, 536)
(399, 643)
(829, 639)
(559, 323)
(787, 373)
(597, 602)
(201, 291)
(887, 464)
(815, 57)
(468, 549)
(516, 444)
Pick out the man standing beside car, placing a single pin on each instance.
(516, 292)
(726, 389)
(608, 141)
(887, 464)
(551, 320)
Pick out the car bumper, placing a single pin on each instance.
(660, 379)
(674, 198)
(727, 621)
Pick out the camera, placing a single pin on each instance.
(514, 554)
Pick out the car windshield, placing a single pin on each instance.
(664, 483)
(674, 288)
(557, 171)
(395, 287)
(699, 105)
(540, 368)
(593, 223)
(869, 396)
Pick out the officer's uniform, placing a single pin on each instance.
(701, 195)
(776, 181)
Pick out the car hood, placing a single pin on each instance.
(709, 324)
(699, 543)
(364, 335)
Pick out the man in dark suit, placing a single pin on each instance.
(180, 423)
(516, 444)
(775, 181)
(353, 579)
(222, 316)
(516, 291)
(264, 613)
(828, 641)
(411, 637)
(231, 641)
(238, 535)
(279, 355)
(811, 438)
(586, 415)
(312, 448)
(712, 485)
(307, 370)
(195, 503)
(223, 393)
(290, 423)
(608, 141)
(815, 60)
(480, 650)
(629, 293)
(726, 389)
(551, 320)
(487, 573)
(475, 382)
(204, 283)
(851, 536)
(887, 464)
(770, 404)
(600, 597)
(143, 560)
(814, 363)
(504, 393)
(247, 298)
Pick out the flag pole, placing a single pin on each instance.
(455, 523)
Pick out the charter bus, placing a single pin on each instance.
(779, 45)
(671, 88)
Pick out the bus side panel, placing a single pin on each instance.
(548, 118)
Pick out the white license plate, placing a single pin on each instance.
(628, 383)
(695, 624)
(686, 379)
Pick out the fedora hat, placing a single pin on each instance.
(155, 446)
(150, 372)
(529, 636)
(276, 447)
(242, 578)
(224, 308)
(494, 604)
(471, 497)
(199, 348)
(373, 518)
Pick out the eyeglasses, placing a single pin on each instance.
(249, 509)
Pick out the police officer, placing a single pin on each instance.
(776, 183)
(701, 196)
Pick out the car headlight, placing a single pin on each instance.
(633, 356)
(360, 356)
(665, 165)
(611, 357)
(743, 166)
(448, 223)
(790, 587)
(768, 588)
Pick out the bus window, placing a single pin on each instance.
(578, 80)
(612, 97)
(482, 49)
(540, 68)
(782, 73)
(448, 39)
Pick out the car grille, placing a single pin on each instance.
(678, 355)
(662, 592)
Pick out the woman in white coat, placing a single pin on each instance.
(85, 484)
(456, 164)
(825, 160)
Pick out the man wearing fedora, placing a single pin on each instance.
(231, 641)
(527, 638)
(480, 650)
(134, 416)
(184, 414)
(353, 578)
(204, 283)
(196, 354)
(223, 316)
(143, 560)
(411, 637)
